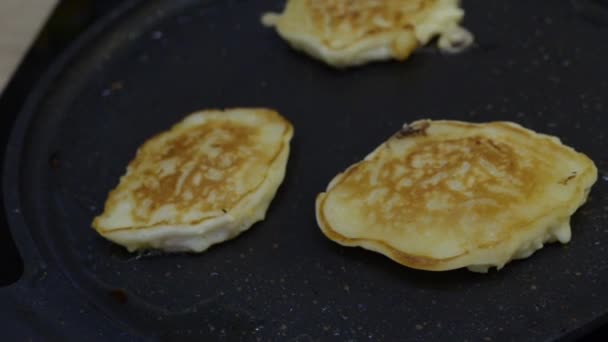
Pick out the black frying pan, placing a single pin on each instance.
(540, 63)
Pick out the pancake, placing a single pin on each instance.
(442, 195)
(206, 180)
(345, 33)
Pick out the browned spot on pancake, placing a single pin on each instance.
(191, 177)
(568, 179)
(468, 177)
(417, 128)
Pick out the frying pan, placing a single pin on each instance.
(148, 64)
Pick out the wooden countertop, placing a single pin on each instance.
(20, 22)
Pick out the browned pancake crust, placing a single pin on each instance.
(457, 170)
(191, 180)
(340, 23)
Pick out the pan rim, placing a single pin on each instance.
(12, 162)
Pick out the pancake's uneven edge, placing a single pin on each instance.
(545, 228)
(368, 50)
(398, 43)
(546, 231)
(381, 247)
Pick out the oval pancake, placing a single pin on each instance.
(345, 33)
(206, 180)
(442, 195)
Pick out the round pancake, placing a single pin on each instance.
(207, 179)
(346, 33)
(442, 195)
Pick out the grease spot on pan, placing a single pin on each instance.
(54, 161)
(119, 295)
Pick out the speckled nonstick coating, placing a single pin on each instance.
(150, 63)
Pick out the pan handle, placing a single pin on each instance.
(25, 303)
(13, 263)
(17, 227)
(42, 304)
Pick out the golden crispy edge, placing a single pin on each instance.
(406, 259)
(111, 202)
(423, 262)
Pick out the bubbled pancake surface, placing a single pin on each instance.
(441, 195)
(346, 33)
(210, 165)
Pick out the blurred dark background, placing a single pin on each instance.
(69, 19)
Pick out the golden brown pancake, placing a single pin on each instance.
(441, 195)
(346, 33)
(204, 181)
